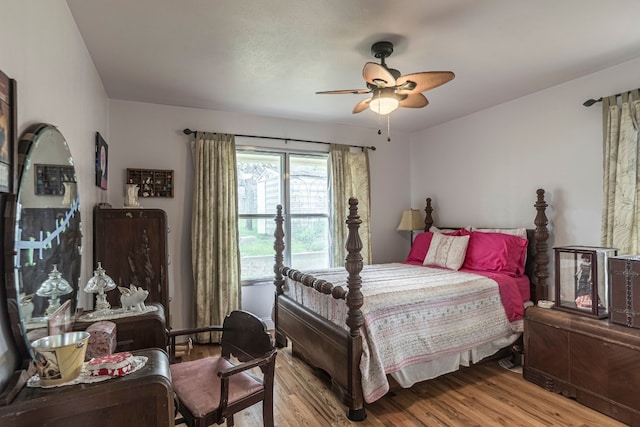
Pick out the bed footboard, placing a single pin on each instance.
(321, 343)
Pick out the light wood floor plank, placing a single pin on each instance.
(483, 395)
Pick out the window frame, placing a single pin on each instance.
(285, 183)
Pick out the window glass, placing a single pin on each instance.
(259, 182)
(308, 184)
(300, 183)
(256, 247)
(309, 243)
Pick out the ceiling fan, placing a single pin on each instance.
(390, 90)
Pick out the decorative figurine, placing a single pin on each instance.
(584, 281)
(26, 306)
(132, 200)
(133, 298)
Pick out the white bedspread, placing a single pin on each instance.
(414, 316)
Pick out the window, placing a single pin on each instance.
(300, 183)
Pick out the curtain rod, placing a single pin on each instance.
(188, 131)
(590, 102)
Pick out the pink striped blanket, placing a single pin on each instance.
(414, 314)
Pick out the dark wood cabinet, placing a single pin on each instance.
(143, 398)
(131, 244)
(624, 279)
(593, 361)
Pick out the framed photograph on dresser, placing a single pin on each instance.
(7, 132)
(60, 321)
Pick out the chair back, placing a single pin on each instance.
(245, 337)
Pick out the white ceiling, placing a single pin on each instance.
(269, 57)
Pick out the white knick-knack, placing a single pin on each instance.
(131, 200)
(26, 307)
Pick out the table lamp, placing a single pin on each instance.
(53, 288)
(411, 220)
(99, 284)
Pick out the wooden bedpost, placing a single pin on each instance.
(541, 234)
(355, 319)
(278, 245)
(428, 219)
(354, 266)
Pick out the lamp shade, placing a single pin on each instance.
(55, 285)
(53, 288)
(383, 101)
(99, 284)
(411, 220)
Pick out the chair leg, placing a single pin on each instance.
(267, 412)
(230, 421)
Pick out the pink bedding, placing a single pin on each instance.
(514, 291)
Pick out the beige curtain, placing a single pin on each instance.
(621, 211)
(349, 178)
(214, 231)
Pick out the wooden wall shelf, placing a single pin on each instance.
(50, 179)
(152, 182)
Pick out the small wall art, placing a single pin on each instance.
(102, 162)
(7, 132)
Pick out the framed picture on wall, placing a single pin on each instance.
(7, 131)
(102, 161)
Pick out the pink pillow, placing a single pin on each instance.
(496, 252)
(420, 247)
(421, 244)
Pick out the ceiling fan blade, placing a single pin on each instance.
(339, 92)
(361, 106)
(423, 81)
(377, 75)
(415, 100)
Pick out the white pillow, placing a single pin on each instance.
(435, 229)
(447, 251)
(520, 232)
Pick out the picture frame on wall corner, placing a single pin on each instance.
(102, 162)
(8, 125)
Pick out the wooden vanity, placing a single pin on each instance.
(143, 399)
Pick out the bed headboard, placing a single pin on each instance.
(537, 266)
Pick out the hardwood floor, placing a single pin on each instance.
(483, 395)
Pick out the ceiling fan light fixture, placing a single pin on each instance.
(383, 101)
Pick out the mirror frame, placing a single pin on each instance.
(11, 290)
(25, 144)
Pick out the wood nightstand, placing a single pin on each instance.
(593, 361)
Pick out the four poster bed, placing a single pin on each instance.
(420, 320)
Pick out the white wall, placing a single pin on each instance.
(484, 169)
(41, 48)
(150, 136)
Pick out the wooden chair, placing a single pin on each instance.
(212, 389)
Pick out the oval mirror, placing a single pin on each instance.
(48, 230)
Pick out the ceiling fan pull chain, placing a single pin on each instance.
(388, 128)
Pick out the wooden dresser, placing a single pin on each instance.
(131, 244)
(143, 399)
(594, 361)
